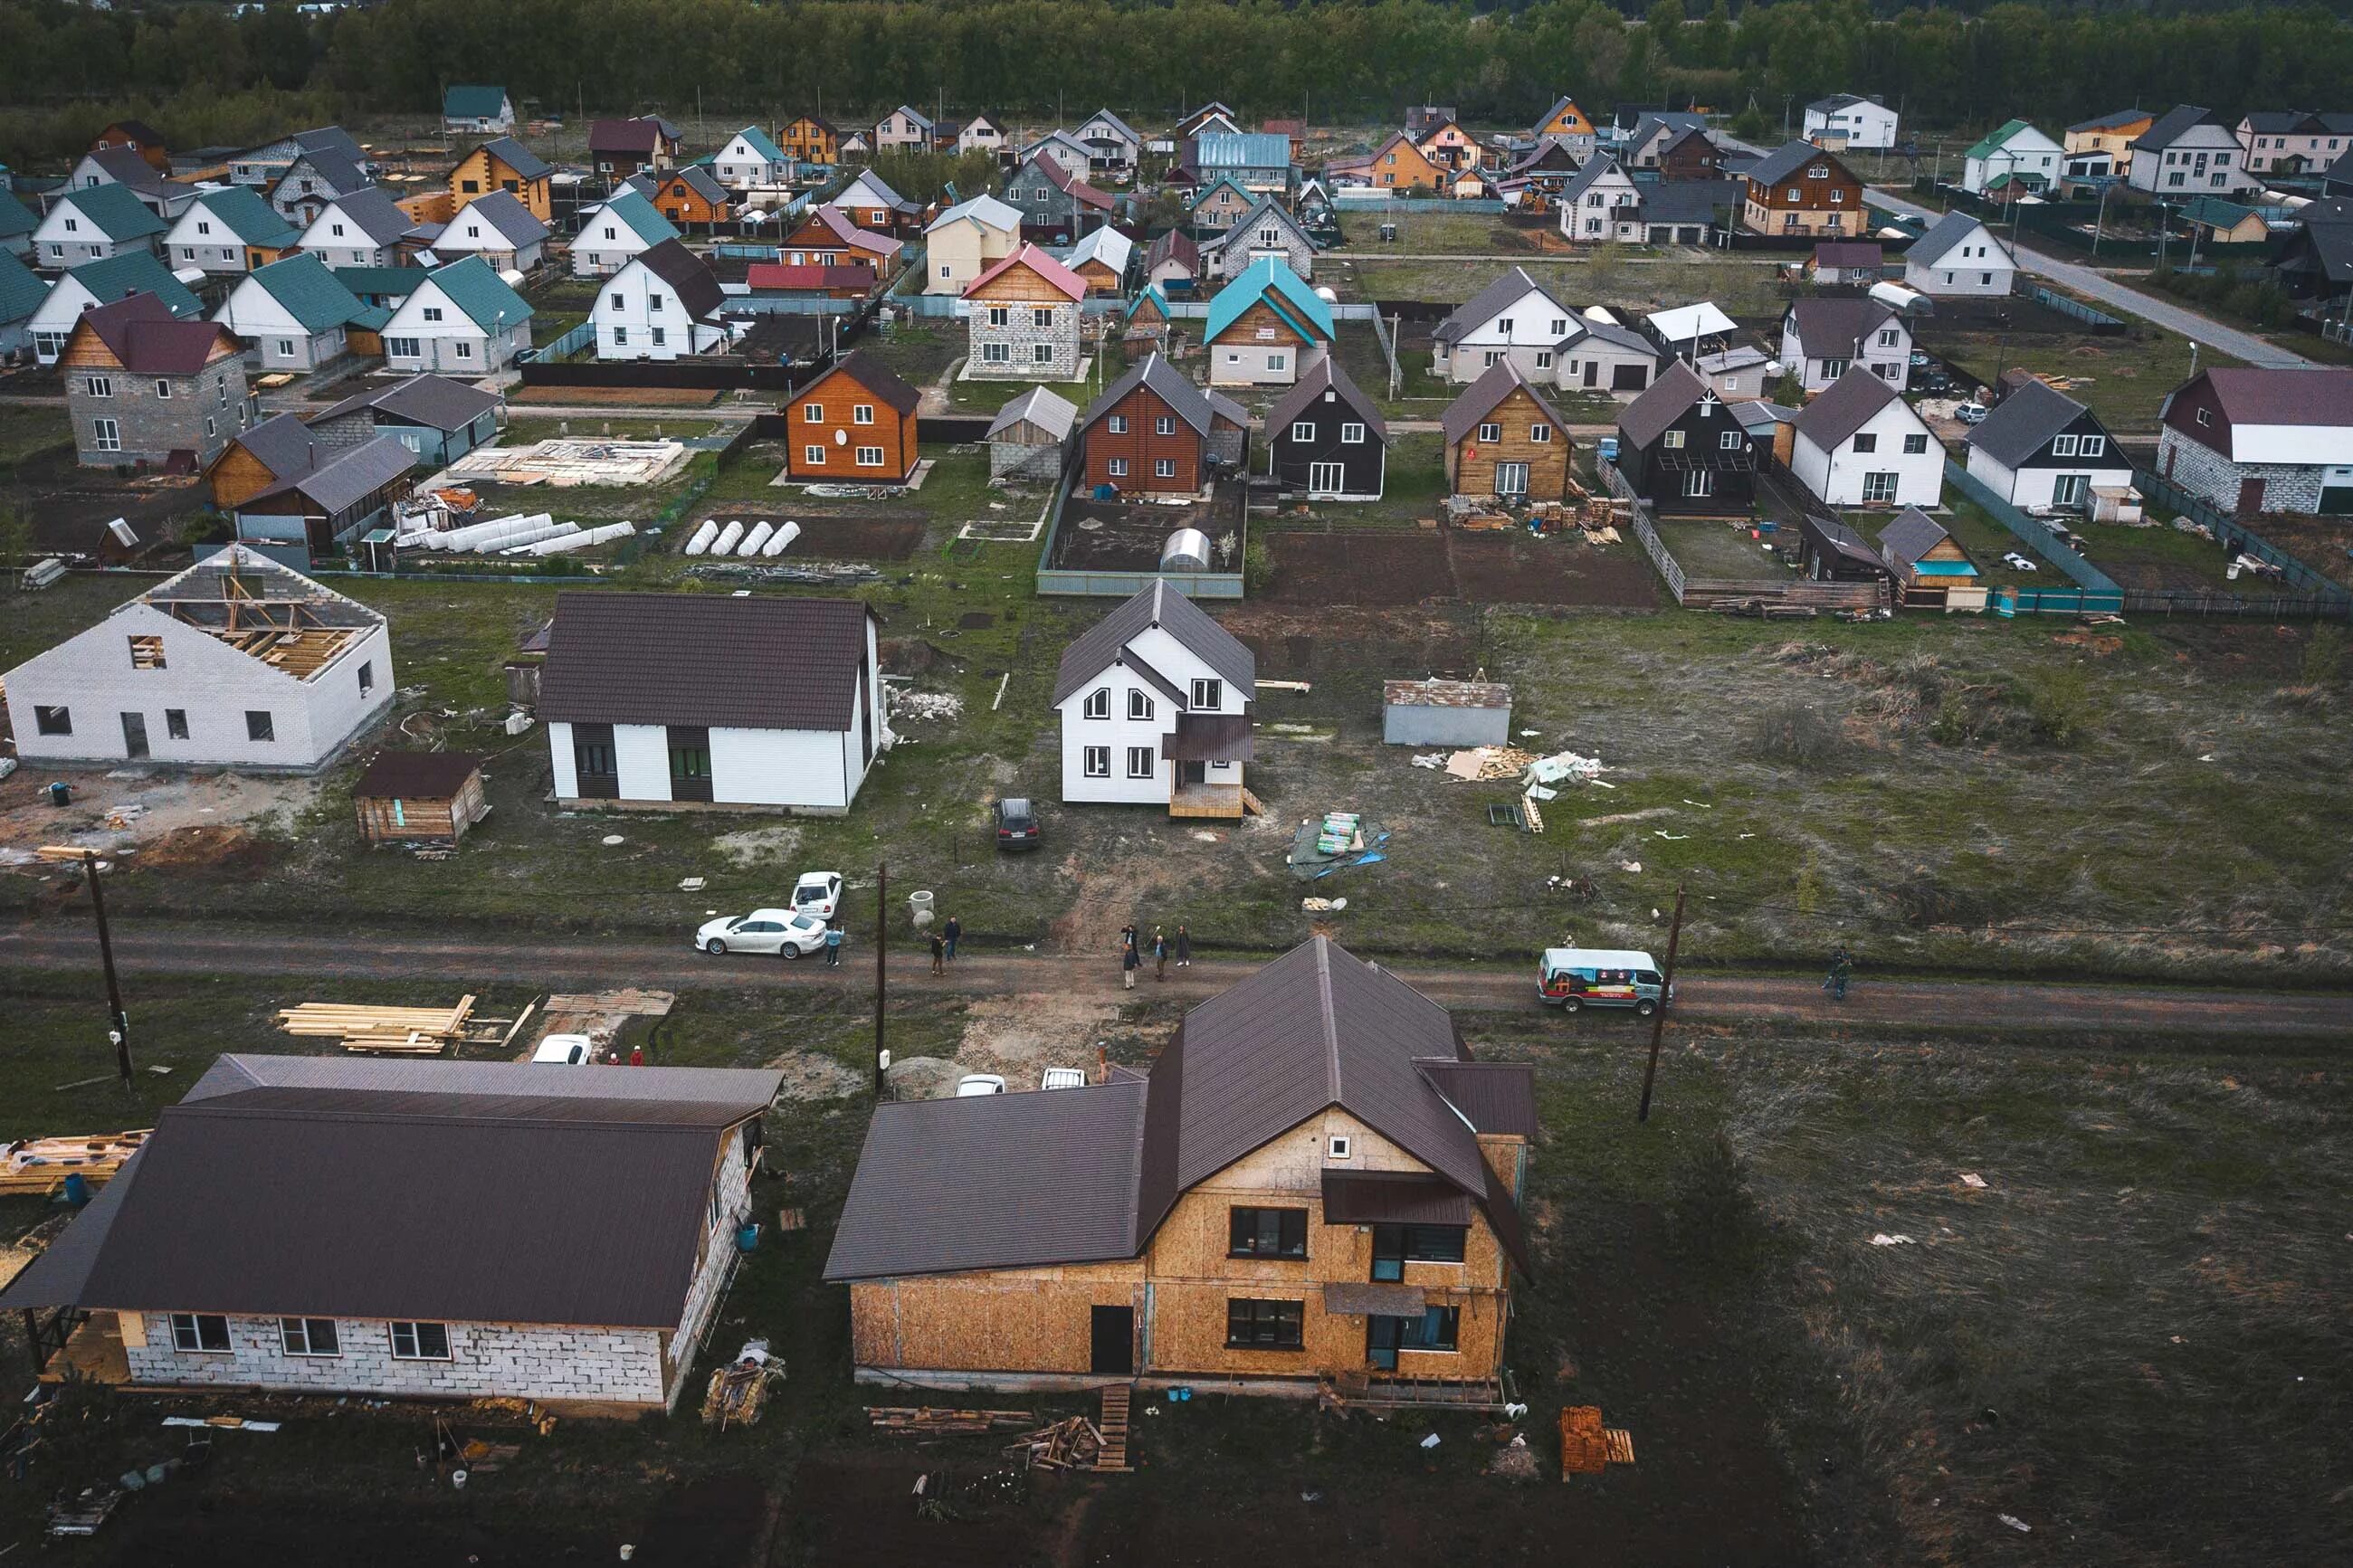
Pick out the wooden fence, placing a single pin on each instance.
(1716, 592)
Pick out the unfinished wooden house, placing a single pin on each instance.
(1315, 1184)
(238, 662)
(419, 797)
(393, 1259)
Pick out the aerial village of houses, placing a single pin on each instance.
(549, 499)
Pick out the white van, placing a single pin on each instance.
(1571, 978)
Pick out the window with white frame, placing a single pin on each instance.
(1491, 433)
(996, 353)
(1729, 441)
(99, 386)
(1042, 353)
(1116, 425)
(309, 1336)
(1301, 430)
(1041, 316)
(1165, 424)
(207, 1332)
(870, 456)
(1117, 467)
(1001, 315)
(812, 413)
(813, 454)
(2093, 447)
(1164, 467)
(861, 414)
(1352, 434)
(106, 435)
(1671, 441)
(432, 312)
(1916, 445)
(1094, 762)
(1141, 762)
(1139, 703)
(1208, 693)
(1540, 435)
(162, 388)
(2062, 446)
(420, 1342)
(1098, 703)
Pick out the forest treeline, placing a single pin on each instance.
(204, 75)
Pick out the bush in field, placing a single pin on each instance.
(2323, 661)
(1709, 1204)
(1797, 733)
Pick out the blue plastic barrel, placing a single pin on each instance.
(747, 1240)
(77, 1188)
(60, 792)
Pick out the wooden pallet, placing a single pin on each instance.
(39, 1165)
(1115, 1399)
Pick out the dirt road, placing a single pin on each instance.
(1987, 1006)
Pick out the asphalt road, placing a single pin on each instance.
(2099, 286)
(142, 948)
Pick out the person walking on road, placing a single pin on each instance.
(1130, 961)
(1160, 953)
(939, 953)
(833, 947)
(1841, 969)
(1184, 948)
(953, 930)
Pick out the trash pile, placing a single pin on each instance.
(1068, 1445)
(739, 1389)
(932, 1421)
(912, 704)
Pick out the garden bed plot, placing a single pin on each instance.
(1128, 536)
(1399, 568)
(877, 535)
(2163, 557)
(1712, 550)
(615, 396)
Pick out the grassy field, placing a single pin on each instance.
(2122, 379)
(1707, 548)
(1436, 233)
(27, 430)
(2152, 1252)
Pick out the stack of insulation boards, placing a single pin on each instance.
(1341, 832)
(40, 1165)
(381, 1031)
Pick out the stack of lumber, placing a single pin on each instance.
(1586, 1446)
(382, 1031)
(1115, 1397)
(1072, 1445)
(40, 1165)
(930, 1422)
(738, 1390)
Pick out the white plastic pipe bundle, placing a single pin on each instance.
(581, 540)
(701, 543)
(753, 539)
(728, 537)
(519, 543)
(777, 541)
(480, 535)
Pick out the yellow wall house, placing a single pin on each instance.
(1316, 1184)
(503, 163)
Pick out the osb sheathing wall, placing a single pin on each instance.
(1013, 1319)
(1039, 1320)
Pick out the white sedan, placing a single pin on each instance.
(818, 893)
(763, 930)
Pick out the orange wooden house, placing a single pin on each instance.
(1566, 121)
(853, 425)
(1397, 164)
(1448, 146)
(694, 194)
(805, 139)
(140, 138)
(503, 163)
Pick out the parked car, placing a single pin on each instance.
(1971, 413)
(1572, 978)
(818, 893)
(763, 930)
(1063, 1077)
(565, 1050)
(1017, 824)
(974, 1083)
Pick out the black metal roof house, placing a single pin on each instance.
(1683, 451)
(1326, 437)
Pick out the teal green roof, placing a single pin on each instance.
(137, 272)
(15, 217)
(2215, 211)
(1206, 192)
(241, 209)
(1271, 279)
(388, 282)
(762, 145)
(119, 214)
(21, 292)
(632, 208)
(473, 102)
(372, 317)
(1152, 294)
(1995, 139)
(475, 287)
(308, 290)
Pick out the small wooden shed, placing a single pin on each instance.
(419, 797)
(1030, 439)
(1446, 713)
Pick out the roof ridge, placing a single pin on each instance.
(1330, 1019)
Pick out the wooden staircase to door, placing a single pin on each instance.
(1116, 1398)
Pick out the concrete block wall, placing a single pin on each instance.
(734, 1179)
(1022, 335)
(153, 427)
(518, 1359)
(2287, 487)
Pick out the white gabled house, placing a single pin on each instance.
(663, 305)
(662, 698)
(1822, 337)
(1157, 703)
(362, 229)
(462, 320)
(294, 314)
(179, 675)
(1959, 258)
(497, 228)
(611, 235)
(2041, 448)
(2012, 160)
(96, 283)
(228, 230)
(1860, 443)
(93, 222)
(1514, 317)
(751, 159)
(1845, 120)
(1601, 203)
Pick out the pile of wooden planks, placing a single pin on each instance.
(1113, 1457)
(1586, 1446)
(930, 1422)
(40, 1165)
(738, 1390)
(1069, 1445)
(395, 1031)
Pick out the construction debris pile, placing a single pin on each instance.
(738, 1390)
(1597, 518)
(907, 704)
(370, 1030)
(1071, 1445)
(1337, 840)
(39, 1166)
(930, 1421)
(565, 462)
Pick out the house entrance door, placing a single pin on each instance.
(1382, 1337)
(1323, 478)
(2069, 489)
(1112, 1341)
(2251, 497)
(134, 735)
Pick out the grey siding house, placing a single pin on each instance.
(384, 1265)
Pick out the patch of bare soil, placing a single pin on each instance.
(770, 846)
(1113, 889)
(151, 814)
(1019, 1036)
(811, 1075)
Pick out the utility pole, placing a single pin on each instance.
(118, 1022)
(2099, 222)
(1659, 1018)
(881, 941)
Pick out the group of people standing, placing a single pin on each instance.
(1132, 949)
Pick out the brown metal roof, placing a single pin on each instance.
(146, 338)
(1392, 1197)
(482, 1192)
(1210, 738)
(1481, 398)
(760, 663)
(1001, 1181)
(1494, 1096)
(689, 276)
(2253, 396)
(1096, 648)
(415, 775)
(870, 373)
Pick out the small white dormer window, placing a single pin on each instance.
(1339, 1146)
